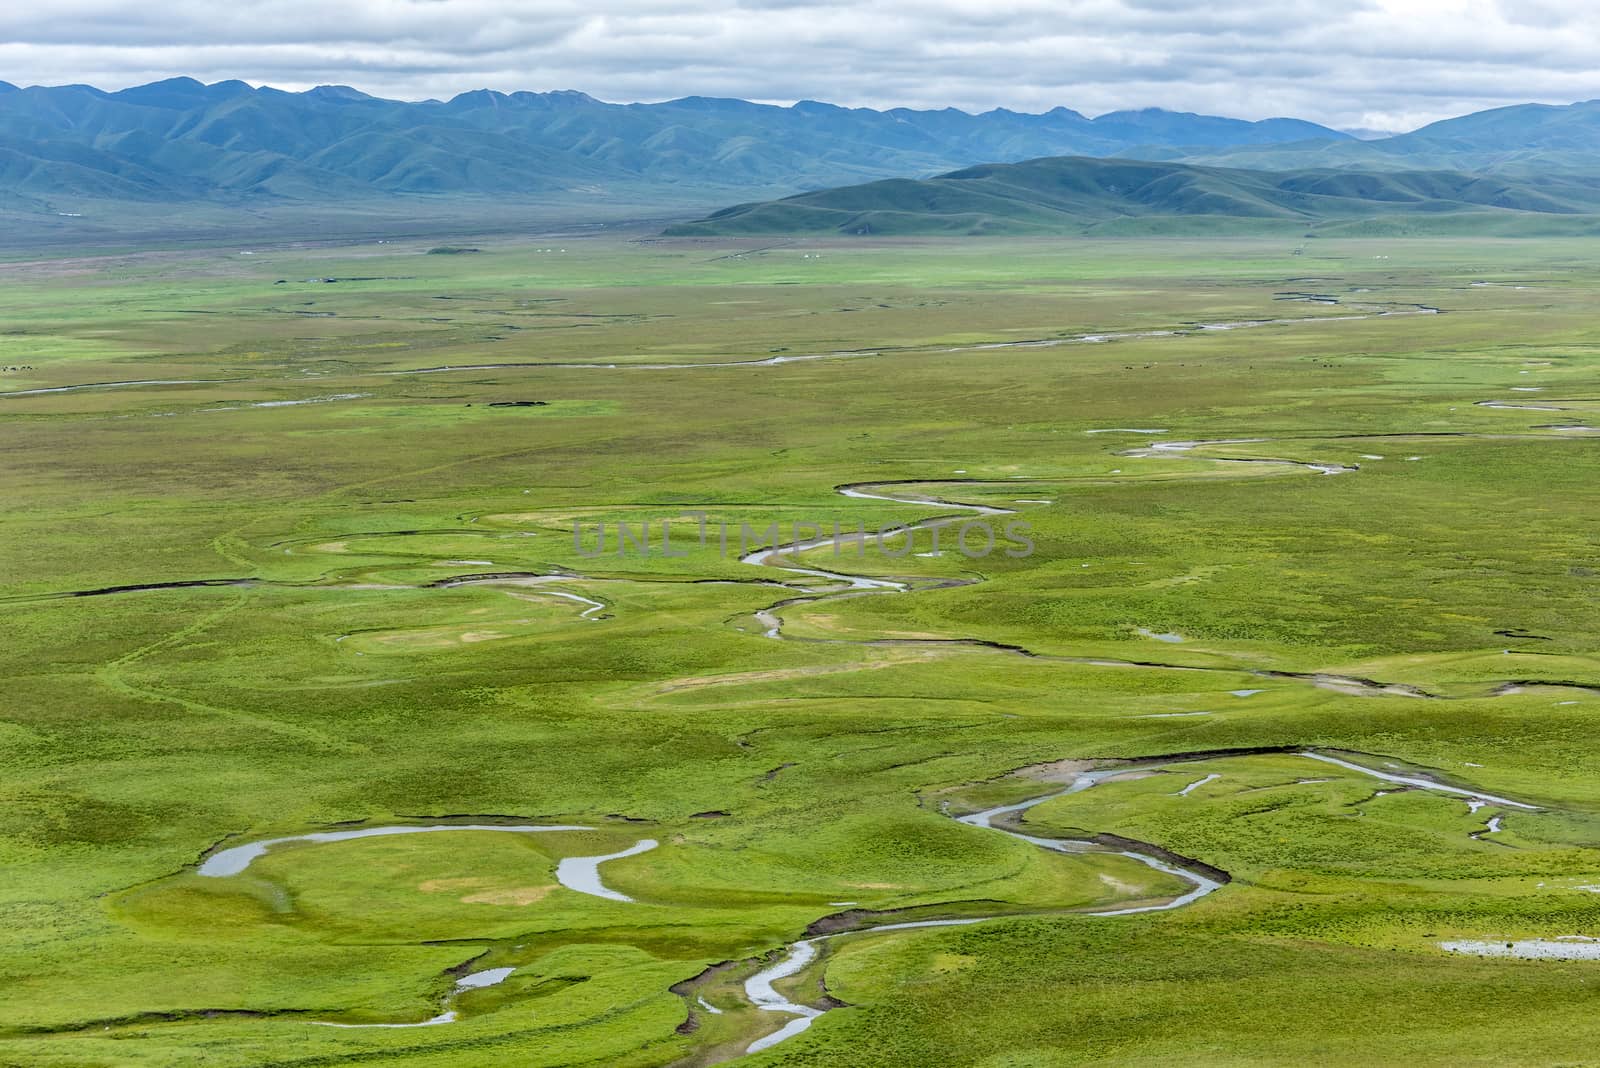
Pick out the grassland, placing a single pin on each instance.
(314, 433)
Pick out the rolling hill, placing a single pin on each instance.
(1078, 195)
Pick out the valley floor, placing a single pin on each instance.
(1259, 733)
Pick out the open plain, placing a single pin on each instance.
(1299, 666)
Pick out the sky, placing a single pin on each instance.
(1376, 64)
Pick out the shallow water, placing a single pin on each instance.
(777, 556)
(759, 988)
(771, 361)
(587, 613)
(1425, 784)
(309, 400)
(1507, 406)
(1187, 790)
(1569, 947)
(479, 980)
(1161, 448)
(575, 873)
(238, 858)
(1187, 446)
(1201, 884)
(475, 981)
(767, 557)
(442, 1018)
(583, 873)
(115, 385)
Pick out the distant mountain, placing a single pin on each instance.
(1363, 133)
(181, 140)
(1523, 139)
(1078, 195)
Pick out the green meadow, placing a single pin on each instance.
(288, 548)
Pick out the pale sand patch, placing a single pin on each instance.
(1056, 771)
(511, 895)
(515, 895)
(394, 638)
(1125, 889)
(437, 638)
(447, 886)
(332, 547)
(875, 886)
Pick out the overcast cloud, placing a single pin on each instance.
(1388, 64)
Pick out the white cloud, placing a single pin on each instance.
(1361, 63)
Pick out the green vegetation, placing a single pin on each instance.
(1076, 195)
(317, 505)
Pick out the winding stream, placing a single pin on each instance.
(761, 993)
(1420, 783)
(473, 981)
(759, 987)
(236, 859)
(582, 874)
(770, 361)
(1167, 448)
(778, 557)
(575, 873)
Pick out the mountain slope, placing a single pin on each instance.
(179, 140)
(1523, 139)
(1075, 194)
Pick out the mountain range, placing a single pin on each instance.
(229, 145)
(179, 140)
(1525, 139)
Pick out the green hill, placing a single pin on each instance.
(1077, 195)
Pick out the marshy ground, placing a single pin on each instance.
(288, 550)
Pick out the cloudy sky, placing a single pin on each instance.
(1385, 64)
